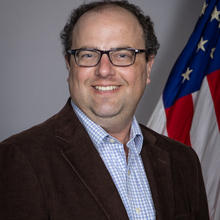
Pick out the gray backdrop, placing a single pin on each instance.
(32, 70)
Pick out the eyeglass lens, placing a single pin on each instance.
(88, 58)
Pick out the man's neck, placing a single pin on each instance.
(122, 135)
(118, 126)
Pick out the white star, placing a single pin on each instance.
(204, 8)
(212, 53)
(186, 74)
(201, 44)
(215, 14)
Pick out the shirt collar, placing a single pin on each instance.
(98, 135)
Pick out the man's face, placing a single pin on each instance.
(106, 91)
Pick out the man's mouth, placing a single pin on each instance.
(106, 88)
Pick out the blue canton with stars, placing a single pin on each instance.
(200, 57)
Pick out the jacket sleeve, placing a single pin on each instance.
(21, 197)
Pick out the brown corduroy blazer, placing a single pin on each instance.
(53, 172)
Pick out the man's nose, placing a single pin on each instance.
(105, 67)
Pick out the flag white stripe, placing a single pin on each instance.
(157, 120)
(205, 140)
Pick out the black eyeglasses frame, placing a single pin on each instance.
(135, 51)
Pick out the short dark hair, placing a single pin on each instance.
(151, 42)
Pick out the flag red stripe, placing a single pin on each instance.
(179, 119)
(214, 81)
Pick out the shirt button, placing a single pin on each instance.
(112, 140)
(129, 172)
(138, 210)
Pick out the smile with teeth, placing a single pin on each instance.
(106, 88)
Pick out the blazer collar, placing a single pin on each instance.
(81, 155)
(157, 165)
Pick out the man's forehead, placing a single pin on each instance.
(106, 28)
(106, 11)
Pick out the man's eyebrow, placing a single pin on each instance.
(88, 47)
(120, 47)
(97, 48)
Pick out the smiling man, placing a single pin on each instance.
(108, 71)
(92, 160)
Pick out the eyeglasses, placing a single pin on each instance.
(118, 57)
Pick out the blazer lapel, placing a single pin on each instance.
(79, 152)
(158, 170)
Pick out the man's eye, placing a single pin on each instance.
(86, 55)
(122, 55)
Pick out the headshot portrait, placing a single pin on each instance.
(102, 102)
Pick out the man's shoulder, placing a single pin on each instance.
(168, 151)
(44, 132)
(36, 134)
(175, 149)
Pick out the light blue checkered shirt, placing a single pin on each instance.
(129, 177)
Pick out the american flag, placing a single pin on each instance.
(189, 108)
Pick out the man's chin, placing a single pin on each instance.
(106, 114)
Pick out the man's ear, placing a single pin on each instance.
(67, 61)
(150, 63)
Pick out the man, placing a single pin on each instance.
(92, 160)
